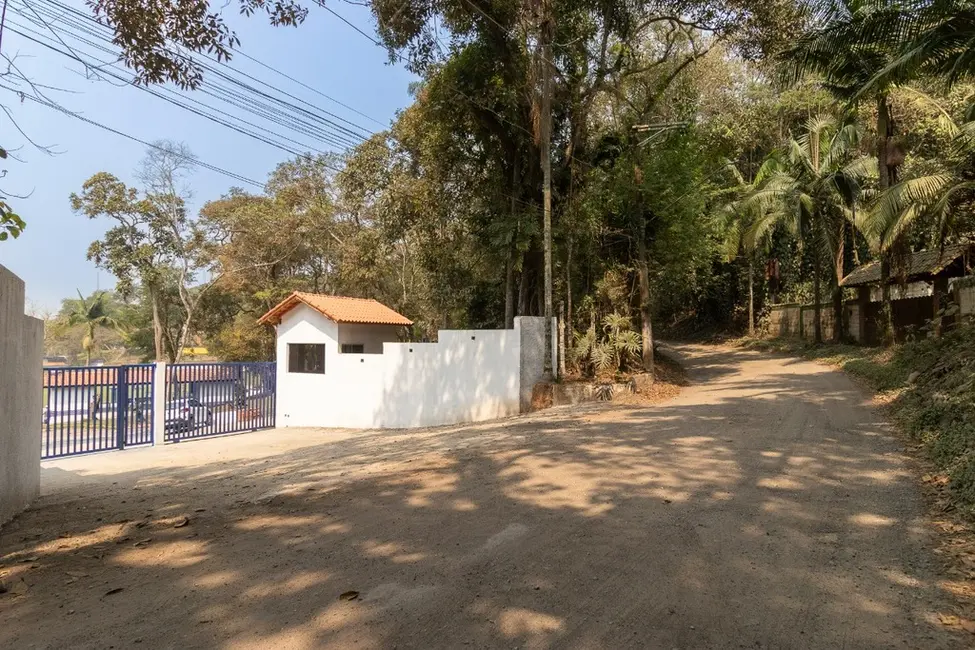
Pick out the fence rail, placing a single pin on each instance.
(210, 399)
(96, 409)
(91, 409)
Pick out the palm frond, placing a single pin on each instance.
(901, 205)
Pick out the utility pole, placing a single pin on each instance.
(545, 126)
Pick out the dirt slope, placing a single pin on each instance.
(765, 507)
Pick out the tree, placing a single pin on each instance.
(855, 40)
(154, 243)
(92, 313)
(737, 223)
(813, 188)
(153, 36)
(11, 225)
(933, 39)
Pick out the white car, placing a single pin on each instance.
(187, 414)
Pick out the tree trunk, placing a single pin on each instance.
(545, 126)
(523, 288)
(509, 275)
(884, 132)
(509, 289)
(838, 290)
(817, 289)
(886, 323)
(568, 286)
(751, 295)
(883, 138)
(643, 276)
(157, 328)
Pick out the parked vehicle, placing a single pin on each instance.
(187, 414)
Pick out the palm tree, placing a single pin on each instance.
(813, 189)
(93, 312)
(736, 220)
(854, 41)
(940, 200)
(929, 38)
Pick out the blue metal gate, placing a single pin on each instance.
(88, 409)
(210, 399)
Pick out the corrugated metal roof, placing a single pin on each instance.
(340, 309)
(922, 263)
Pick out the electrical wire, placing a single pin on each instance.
(248, 98)
(197, 110)
(62, 109)
(105, 33)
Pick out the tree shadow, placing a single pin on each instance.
(765, 509)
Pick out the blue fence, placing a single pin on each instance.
(210, 399)
(96, 409)
(103, 408)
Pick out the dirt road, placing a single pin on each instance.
(765, 507)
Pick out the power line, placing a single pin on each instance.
(295, 118)
(186, 106)
(108, 36)
(65, 111)
(201, 109)
(311, 88)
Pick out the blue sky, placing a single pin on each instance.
(50, 255)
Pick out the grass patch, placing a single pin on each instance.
(937, 409)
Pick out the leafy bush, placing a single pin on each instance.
(614, 349)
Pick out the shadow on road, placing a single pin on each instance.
(763, 508)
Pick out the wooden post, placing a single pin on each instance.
(563, 343)
(863, 304)
(940, 289)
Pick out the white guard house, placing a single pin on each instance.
(341, 363)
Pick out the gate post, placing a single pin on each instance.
(159, 404)
(121, 405)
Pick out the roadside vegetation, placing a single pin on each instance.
(700, 163)
(928, 387)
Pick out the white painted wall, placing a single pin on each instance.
(371, 336)
(468, 376)
(966, 296)
(21, 353)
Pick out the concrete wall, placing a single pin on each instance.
(793, 319)
(21, 353)
(532, 338)
(468, 376)
(371, 337)
(853, 320)
(825, 320)
(966, 297)
(784, 319)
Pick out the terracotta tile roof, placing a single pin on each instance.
(920, 266)
(339, 309)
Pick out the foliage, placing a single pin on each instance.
(682, 136)
(615, 349)
(152, 35)
(11, 225)
(92, 314)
